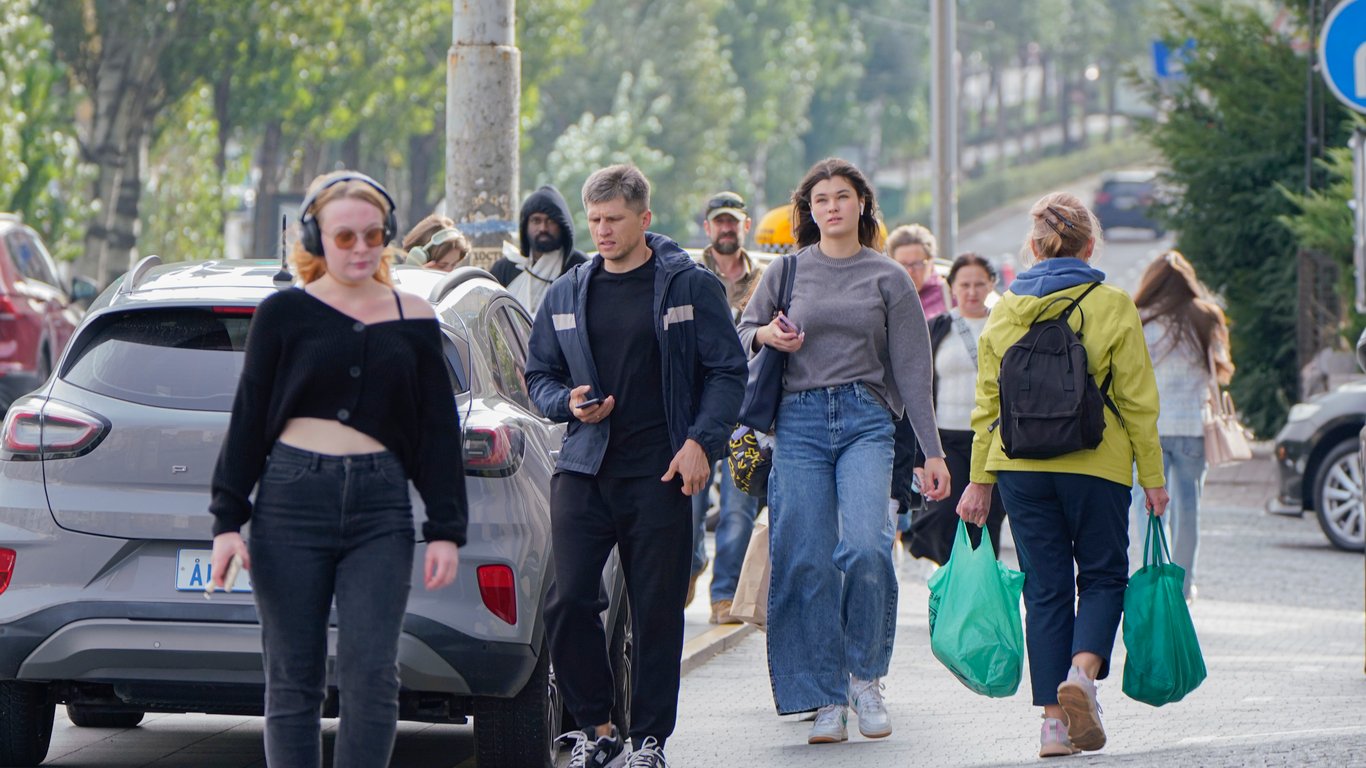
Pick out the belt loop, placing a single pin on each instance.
(315, 460)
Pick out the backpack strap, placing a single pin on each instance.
(1076, 303)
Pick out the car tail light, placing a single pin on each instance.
(7, 311)
(239, 311)
(1102, 198)
(6, 568)
(499, 591)
(493, 451)
(36, 430)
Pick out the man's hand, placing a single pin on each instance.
(225, 545)
(975, 503)
(1156, 500)
(692, 464)
(442, 560)
(593, 413)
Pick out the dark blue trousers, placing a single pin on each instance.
(1072, 536)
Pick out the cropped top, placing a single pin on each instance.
(305, 358)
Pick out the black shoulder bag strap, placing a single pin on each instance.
(789, 276)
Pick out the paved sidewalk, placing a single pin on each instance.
(1279, 619)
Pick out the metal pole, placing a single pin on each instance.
(483, 97)
(1358, 144)
(944, 118)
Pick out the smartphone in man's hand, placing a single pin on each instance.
(589, 402)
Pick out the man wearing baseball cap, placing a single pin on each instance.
(726, 222)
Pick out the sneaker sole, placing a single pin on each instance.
(1057, 750)
(826, 739)
(1083, 725)
(875, 734)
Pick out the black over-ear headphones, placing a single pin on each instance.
(310, 234)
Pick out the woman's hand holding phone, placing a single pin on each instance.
(782, 334)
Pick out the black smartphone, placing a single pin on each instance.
(589, 402)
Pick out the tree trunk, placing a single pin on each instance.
(423, 159)
(758, 174)
(265, 228)
(350, 152)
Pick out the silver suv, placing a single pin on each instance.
(105, 534)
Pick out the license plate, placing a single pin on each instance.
(1124, 203)
(192, 572)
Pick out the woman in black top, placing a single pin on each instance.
(343, 399)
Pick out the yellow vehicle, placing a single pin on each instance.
(774, 233)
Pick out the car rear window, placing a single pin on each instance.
(187, 357)
(1137, 188)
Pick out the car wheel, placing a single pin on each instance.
(86, 716)
(520, 732)
(26, 717)
(621, 652)
(1337, 497)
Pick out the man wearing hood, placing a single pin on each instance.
(547, 238)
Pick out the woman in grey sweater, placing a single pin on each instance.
(859, 357)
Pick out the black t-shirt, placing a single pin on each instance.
(621, 335)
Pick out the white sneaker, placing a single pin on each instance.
(865, 696)
(1077, 697)
(831, 726)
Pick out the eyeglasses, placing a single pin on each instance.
(346, 238)
(918, 265)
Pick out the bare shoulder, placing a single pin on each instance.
(415, 306)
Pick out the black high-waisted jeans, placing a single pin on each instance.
(324, 527)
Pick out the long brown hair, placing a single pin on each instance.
(1169, 290)
(808, 233)
(309, 266)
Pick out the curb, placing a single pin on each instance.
(704, 647)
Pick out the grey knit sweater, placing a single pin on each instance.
(863, 323)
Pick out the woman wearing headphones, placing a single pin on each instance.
(435, 243)
(333, 452)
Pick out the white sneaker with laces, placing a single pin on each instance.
(831, 726)
(865, 696)
(648, 755)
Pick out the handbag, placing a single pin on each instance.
(1164, 662)
(750, 461)
(750, 604)
(764, 389)
(1225, 438)
(975, 627)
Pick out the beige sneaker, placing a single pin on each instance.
(1077, 697)
(720, 613)
(1053, 741)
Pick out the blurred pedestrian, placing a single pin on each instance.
(435, 243)
(858, 357)
(726, 223)
(914, 247)
(1069, 514)
(638, 352)
(547, 248)
(333, 454)
(953, 339)
(1187, 337)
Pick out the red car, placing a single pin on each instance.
(37, 315)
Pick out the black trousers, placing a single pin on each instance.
(651, 525)
(934, 529)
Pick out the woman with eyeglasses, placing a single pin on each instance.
(316, 430)
(1069, 514)
(435, 243)
(1187, 338)
(858, 358)
(913, 247)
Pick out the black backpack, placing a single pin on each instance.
(1050, 404)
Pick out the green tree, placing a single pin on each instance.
(41, 174)
(1322, 222)
(1233, 135)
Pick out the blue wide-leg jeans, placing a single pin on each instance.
(832, 601)
(330, 527)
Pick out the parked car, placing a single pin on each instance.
(105, 535)
(1316, 455)
(37, 314)
(1125, 199)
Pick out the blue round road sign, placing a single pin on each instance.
(1342, 53)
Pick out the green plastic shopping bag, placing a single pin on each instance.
(975, 627)
(1164, 661)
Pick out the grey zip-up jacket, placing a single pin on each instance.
(704, 368)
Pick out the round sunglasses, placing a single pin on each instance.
(346, 238)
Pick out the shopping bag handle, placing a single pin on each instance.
(967, 542)
(1156, 552)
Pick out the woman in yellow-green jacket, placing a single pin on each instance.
(1070, 511)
